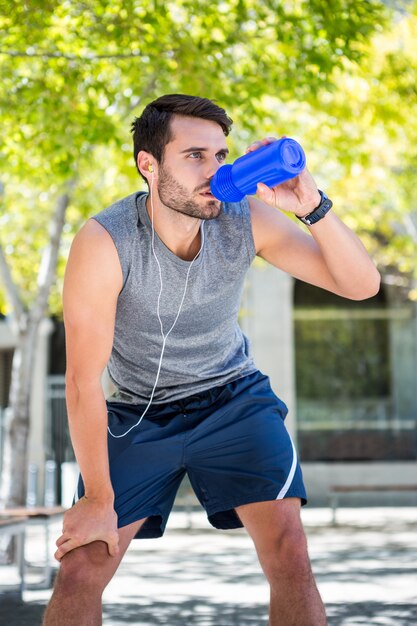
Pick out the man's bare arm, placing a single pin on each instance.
(93, 280)
(333, 257)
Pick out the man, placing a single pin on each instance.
(152, 289)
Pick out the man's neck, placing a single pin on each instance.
(180, 233)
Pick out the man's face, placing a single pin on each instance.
(190, 161)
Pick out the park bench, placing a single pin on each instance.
(40, 516)
(16, 526)
(338, 491)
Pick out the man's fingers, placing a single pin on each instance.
(113, 545)
(258, 144)
(254, 146)
(65, 544)
(265, 193)
(64, 548)
(61, 539)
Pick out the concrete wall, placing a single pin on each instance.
(268, 322)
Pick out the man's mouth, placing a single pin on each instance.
(207, 194)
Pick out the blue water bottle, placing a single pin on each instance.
(272, 164)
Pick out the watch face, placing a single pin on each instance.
(319, 212)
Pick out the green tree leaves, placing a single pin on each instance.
(73, 74)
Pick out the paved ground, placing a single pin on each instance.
(366, 569)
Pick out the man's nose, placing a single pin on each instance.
(212, 168)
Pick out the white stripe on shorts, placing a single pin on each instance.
(289, 480)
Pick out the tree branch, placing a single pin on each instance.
(410, 227)
(70, 57)
(12, 289)
(144, 94)
(49, 261)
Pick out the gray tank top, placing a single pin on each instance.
(206, 347)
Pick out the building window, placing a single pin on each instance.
(6, 359)
(351, 400)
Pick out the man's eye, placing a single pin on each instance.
(195, 155)
(221, 156)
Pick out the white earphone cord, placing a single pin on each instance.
(164, 337)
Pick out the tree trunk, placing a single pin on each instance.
(15, 459)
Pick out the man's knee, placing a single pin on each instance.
(84, 570)
(287, 556)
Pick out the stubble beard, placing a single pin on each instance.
(177, 198)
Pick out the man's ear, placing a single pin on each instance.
(146, 164)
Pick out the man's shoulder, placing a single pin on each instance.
(120, 213)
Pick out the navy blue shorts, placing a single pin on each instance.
(230, 440)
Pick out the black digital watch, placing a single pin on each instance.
(319, 212)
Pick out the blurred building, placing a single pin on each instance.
(347, 371)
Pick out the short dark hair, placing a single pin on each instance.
(152, 131)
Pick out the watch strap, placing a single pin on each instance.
(319, 212)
